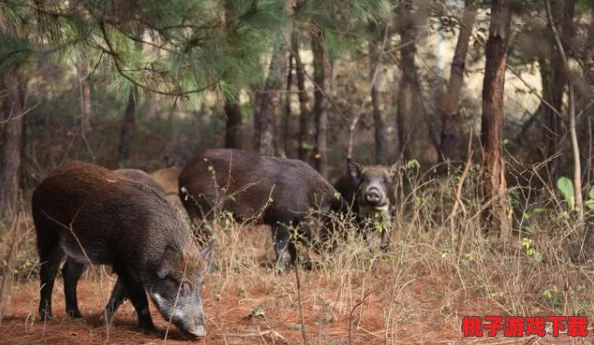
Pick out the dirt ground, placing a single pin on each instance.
(229, 320)
(246, 303)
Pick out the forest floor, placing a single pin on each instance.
(246, 303)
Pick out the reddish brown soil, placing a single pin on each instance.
(228, 318)
(428, 320)
(426, 310)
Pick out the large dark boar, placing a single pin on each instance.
(92, 215)
(275, 191)
(370, 192)
(143, 177)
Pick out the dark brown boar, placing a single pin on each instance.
(142, 177)
(167, 178)
(275, 191)
(93, 215)
(370, 192)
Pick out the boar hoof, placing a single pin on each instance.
(281, 268)
(307, 265)
(148, 329)
(75, 314)
(45, 316)
(105, 320)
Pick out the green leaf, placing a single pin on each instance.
(591, 193)
(565, 186)
(590, 204)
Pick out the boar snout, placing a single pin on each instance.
(192, 321)
(197, 332)
(186, 313)
(373, 196)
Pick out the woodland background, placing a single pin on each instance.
(487, 104)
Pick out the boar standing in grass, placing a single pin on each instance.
(92, 215)
(274, 191)
(370, 192)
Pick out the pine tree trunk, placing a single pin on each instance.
(588, 53)
(406, 89)
(127, 129)
(563, 13)
(378, 122)
(287, 109)
(267, 99)
(379, 127)
(303, 151)
(12, 103)
(493, 169)
(548, 115)
(451, 141)
(234, 123)
(321, 64)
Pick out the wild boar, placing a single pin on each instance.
(143, 177)
(93, 215)
(370, 192)
(167, 178)
(274, 191)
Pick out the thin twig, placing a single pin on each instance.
(353, 310)
(301, 316)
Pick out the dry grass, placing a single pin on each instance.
(418, 292)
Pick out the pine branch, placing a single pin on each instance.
(116, 59)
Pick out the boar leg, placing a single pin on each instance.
(137, 295)
(282, 242)
(50, 256)
(385, 240)
(71, 272)
(367, 233)
(118, 295)
(368, 236)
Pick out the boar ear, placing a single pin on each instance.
(394, 171)
(353, 168)
(169, 261)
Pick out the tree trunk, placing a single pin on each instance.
(562, 44)
(588, 54)
(232, 107)
(287, 109)
(267, 99)
(562, 13)
(234, 123)
(12, 103)
(127, 130)
(451, 141)
(321, 64)
(406, 89)
(548, 140)
(378, 122)
(493, 169)
(303, 150)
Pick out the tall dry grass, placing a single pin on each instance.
(440, 267)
